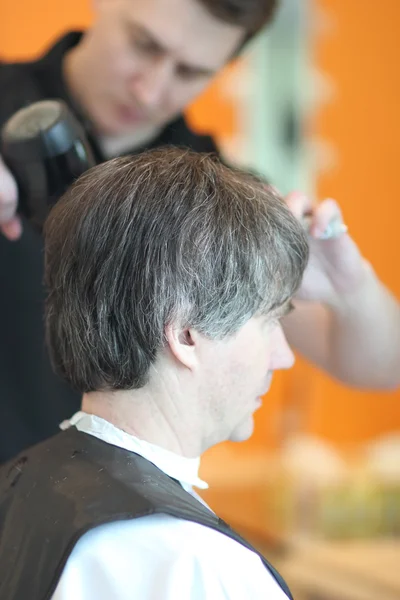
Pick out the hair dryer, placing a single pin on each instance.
(46, 149)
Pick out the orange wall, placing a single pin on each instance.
(360, 53)
(362, 123)
(27, 26)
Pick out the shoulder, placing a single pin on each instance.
(171, 536)
(12, 73)
(162, 557)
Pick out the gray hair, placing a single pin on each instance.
(168, 236)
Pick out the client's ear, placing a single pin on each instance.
(183, 344)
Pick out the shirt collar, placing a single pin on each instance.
(184, 470)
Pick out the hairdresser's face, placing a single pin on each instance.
(146, 60)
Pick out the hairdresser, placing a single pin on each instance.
(128, 79)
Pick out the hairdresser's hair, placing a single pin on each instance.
(168, 236)
(252, 15)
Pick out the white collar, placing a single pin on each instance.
(185, 470)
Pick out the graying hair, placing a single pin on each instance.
(168, 236)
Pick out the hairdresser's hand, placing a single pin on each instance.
(10, 224)
(336, 267)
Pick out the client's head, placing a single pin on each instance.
(167, 275)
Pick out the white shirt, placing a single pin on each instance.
(159, 557)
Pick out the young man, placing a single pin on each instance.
(168, 275)
(128, 79)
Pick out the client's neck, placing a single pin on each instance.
(158, 420)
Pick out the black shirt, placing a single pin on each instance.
(33, 400)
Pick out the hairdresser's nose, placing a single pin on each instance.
(150, 86)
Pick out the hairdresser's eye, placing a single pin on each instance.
(145, 46)
(141, 42)
(187, 74)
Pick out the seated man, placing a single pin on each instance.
(167, 276)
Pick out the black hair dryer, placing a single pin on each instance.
(46, 149)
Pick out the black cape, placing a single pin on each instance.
(55, 492)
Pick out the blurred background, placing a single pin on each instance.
(314, 105)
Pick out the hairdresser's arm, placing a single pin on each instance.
(347, 322)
